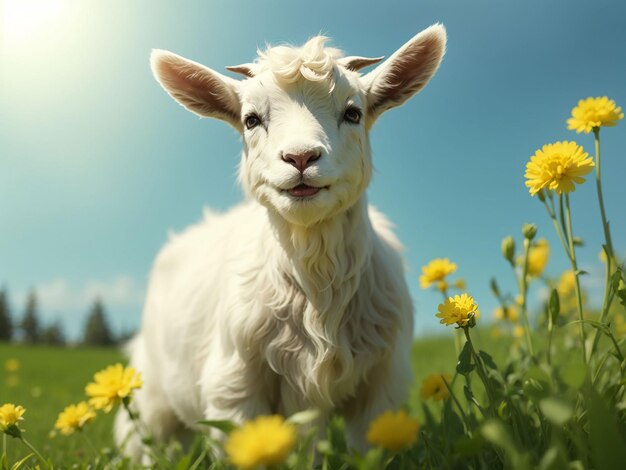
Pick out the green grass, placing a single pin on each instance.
(49, 379)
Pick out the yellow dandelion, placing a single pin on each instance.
(602, 256)
(111, 386)
(11, 365)
(537, 257)
(10, 415)
(594, 112)
(74, 417)
(267, 440)
(436, 271)
(557, 167)
(458, 309)
(393, 431)
(519, 331)
(434, 386)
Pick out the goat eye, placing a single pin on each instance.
(252, 121)
(352, 115)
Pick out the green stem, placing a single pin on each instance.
(458, 404)
(559, 232)
(524, 290)
(572, 252)
(606, 301)
(481, 372)
(605, 223)
(89, 443)
(550, 329)
(34, 451)
(4, 448)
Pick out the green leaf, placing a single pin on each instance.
(596, 324)
(615, 279)
(494, 287)
(17, 465)
(622, 296)
(556, 410)
(497, 433)
(488, 360)
(580, 272)
(453, 426)
(536, 390)
(465, 366)
(607, 445)
(554, 306)
(553, 459)
(304, 417)
(224, 425)
(469, 446)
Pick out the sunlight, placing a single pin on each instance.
(23, 21)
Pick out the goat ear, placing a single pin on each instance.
(356, 63)
(247, 70)
(406, 72)
(198, 88)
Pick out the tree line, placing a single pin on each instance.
(29, 328)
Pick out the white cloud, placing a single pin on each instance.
(122, 291)
(61, 300)
(59, 295)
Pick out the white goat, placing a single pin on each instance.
(295, 299)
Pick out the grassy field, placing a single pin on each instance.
(51, 378)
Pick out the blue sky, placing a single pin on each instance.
(98, 164)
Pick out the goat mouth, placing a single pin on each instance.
(303, 190)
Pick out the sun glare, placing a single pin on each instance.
(23, 21)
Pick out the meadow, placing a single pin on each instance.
(50, 378)
(543, 389)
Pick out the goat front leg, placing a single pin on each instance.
(386, 389)
(236, 391)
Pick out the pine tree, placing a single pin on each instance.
(97, 330)
(53, 334)
(6, 324)
(30, 322)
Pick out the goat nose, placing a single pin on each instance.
(301, 160)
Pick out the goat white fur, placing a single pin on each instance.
(295, 299)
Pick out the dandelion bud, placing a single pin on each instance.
(494, 287)
(508, 249)
(529, 231)
(578, 241)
